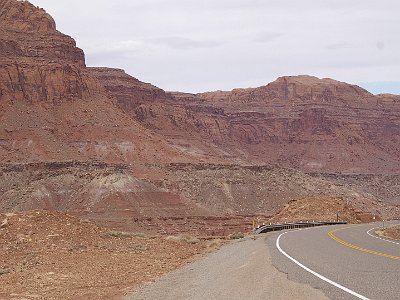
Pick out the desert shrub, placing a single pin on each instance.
(4, 271)
(123, 234)
(77, 248)
(214, 244)
(138, 247)
(183, 238)
(236, 236)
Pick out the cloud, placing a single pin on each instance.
(131, 49)
(380, 45)
(180, 43)
(337, 46)
(267, 37)
(192, 45)
(116, 48)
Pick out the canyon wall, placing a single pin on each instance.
(101, 143)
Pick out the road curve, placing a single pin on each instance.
(240, 270)
(345, 261)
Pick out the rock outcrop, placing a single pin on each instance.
(299, 122)
(185, 120)
(61, 131)
(38, 62)
(54, 112)
(316, 124)
(51, 107)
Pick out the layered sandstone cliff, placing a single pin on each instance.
(98, 141)
(38, 63)
(51, 107)
(299, 122)
(188, 122)
(317, 124)
(61, 132)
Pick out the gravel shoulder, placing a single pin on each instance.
(392, 232)
(239, 270)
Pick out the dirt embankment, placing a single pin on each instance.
(321, 209)
(391, 232)
(51, 255)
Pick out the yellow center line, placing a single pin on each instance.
(340, 241)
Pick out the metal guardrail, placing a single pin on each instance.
(277, 227)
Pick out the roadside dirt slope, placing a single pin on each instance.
(321, 209)
(50, 255)
(391, 232)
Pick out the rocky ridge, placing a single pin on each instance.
(297, 122)
(61, 132)
(52, 108)
(153, 153)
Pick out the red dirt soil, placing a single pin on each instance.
(321, 209)
(392, 232)
(50, 255)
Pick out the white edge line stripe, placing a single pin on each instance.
(377, 237)
(316, 274)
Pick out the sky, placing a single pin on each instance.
(197, 46)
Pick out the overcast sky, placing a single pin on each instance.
(194, 46)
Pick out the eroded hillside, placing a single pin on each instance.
(102, 144)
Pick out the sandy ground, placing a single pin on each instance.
(392, 232)
(240, 270)
(50, 255)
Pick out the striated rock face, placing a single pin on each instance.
(298, 122)
(159, 153)
(38, 63)
(188, 122)
(315, 125)
(51, 107)
(25, 17)
(54, 112)
(291, 90)
(28, 32)
(87, 188)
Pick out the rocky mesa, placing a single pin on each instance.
(100, 143)
(302, 122)
(64, 143)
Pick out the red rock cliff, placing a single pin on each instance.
(301, 122)
(38, 63)
(51, 107)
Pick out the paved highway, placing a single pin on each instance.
(240, 270)
(344, 261)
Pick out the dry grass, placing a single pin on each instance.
(183, 238)
(236, 236)
(4, 271)
(123, 234)
(214, 244)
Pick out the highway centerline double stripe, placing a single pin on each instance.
(347, 244)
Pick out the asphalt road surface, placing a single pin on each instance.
(240, 270)
(336, 262)
(357, 264)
